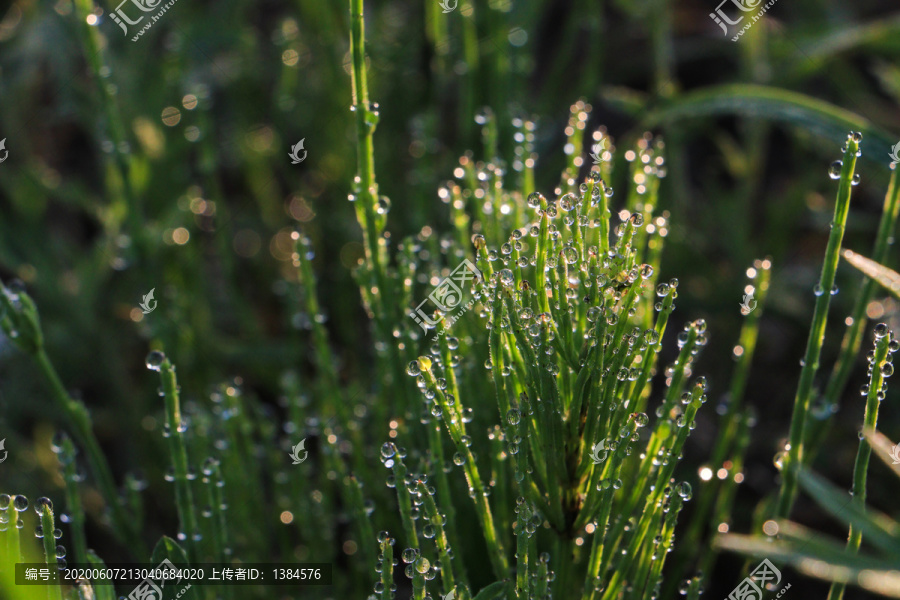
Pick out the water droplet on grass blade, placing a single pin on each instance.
(834, 171)
(155, 360)
(41, 503)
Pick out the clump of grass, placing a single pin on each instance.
(566, 325)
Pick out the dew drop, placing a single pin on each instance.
(155, 360)
(20, 503)
(834, 171)
(41, 503)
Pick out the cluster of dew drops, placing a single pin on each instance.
(880, 332)
(434, 409)
(834, 170)
(19, 504)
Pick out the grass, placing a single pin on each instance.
(560, 431)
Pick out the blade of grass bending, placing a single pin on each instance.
(817, 557)
(814, 116)
(886, 278)
(880, 531)
(793, 455)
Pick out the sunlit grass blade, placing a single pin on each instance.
(886, 450)
(886, 278)
(815, 116)
(793, 453)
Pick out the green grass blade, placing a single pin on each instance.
(793, 454)
(886, 450)
(886, 278)
(815, 116)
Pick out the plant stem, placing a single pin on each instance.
(178, 451)
(49, 543)
(79, 420)
(73, 502)
(456, 430)
(793, 455)
(404, 499)
(883, 340)
(850, 345)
